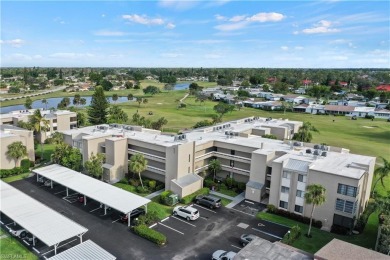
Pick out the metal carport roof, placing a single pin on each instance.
(102, 192)
(47, 225)
(84, 251)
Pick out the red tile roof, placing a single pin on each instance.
(383, 87)
(306, 81)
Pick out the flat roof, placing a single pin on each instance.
(338, 249)
(100, 191)
(47, 225)
(87, 250)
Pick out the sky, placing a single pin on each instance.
(219, 33)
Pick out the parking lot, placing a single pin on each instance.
(215, 229)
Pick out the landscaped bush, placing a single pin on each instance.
(134, 182)
(369, 117)
(241, 186)
(25, 164)
(124, 181)
(230, 182)
(160, 186)
(208, 183)
(149, 218)
(188, 199)
(141, 189)
(164, 196)
(295, 233)
(272, 209)
(150, 234)
(14, 171)
(362, 220)
(339, 230)
(152, 184)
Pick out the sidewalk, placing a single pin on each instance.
(154, 194)
(235, 200)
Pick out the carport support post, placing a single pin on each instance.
(146, 208)
(105, 210)
(85, 200)
(37, 177)
(33, 240)
(51, 184)
(55, 249)
(128, 219)
(67, 192)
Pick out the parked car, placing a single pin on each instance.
(80, 198)
(29, 237)
(208, 201)
(134, 214)
(186, 212)
(223, 255)
(21, 232)
(246, 239)
(41, 180)
(47, 183)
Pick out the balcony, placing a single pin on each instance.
(226, 168)
(156, 170)
(223, 155)
(148, 155)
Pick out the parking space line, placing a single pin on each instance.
(243, 212)
(269, 234)
(239, 248)
(203, 217)
(115, 220)
(153, 225)
(59, 192)
(69, 201)
(183, 221)
(94, 209)
(36, 250)
(2, 222)
(60, 246)
(10, 224)
(196, 205)
(171, 228)
(165, 219)
(27, 243)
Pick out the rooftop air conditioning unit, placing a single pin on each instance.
(316, 146)
(235, 134)
(324, 154)
(316, 152)
(308, 150)
(184, 137)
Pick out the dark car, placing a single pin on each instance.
(246, 239)
(208, 201)
(134, 214)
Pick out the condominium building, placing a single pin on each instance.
(10, 134)
(274, 171)
(58, 120)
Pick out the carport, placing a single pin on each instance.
(86, 250)
(108, 195)
(42, 222)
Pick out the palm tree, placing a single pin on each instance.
(315, 195)
(304, 133)
(39, 125)
(380, 173)
(16, 151)
(214, 167)
(44, 101)
(138, 164)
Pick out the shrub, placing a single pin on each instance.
(134, 182)
(229, 182)
(141, 189)
(25, 164)
(294, 234)
(369, 117)
(191, 197)
(164, 196)
(152, 184)
(241, 186)
(160, 186)
(222, 186)
(14, 171)
(208, 183)
(339, 230)
(150, 234)
(124, 181)
(271, 208)
(149, 218)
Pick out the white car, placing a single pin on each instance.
(186, 212)
(18, 233)
(223, 255)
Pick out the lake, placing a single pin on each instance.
(53, 102)
(181, 86)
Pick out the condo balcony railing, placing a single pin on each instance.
(155, 170)
(226, 168)
(148, 155)
(223, 155)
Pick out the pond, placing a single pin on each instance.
(53, 102)
(181, 86)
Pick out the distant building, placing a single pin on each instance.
(384, 87)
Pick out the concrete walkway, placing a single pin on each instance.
(235, 200)
(181, 100)
(154, 194)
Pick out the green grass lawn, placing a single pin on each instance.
(11, 248)
(130, 188)
(224, 201)
(16, 177)
(320, 238)
(227, 192)
(48, 150)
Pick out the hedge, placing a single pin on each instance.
(10, 172)
(284, 213)
(150, 234)
(191, 197)
(164, 196)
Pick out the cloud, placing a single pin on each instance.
(109, 33)
(16, 43)
(284, 48)
(298, 48)
(103, 15)
(322, 26)
(59, 20)
(241, 21)
(170, 26)
(171, 55)
(143, 19)
(266, 17)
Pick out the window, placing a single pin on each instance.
(283, 204)
(301, 178)
(347, 190)
(189, 158)
(287, 175)
(55, 120)
(73, 118)
(300, 193)
(55, 128)
(346, 206)
(285, 189)
(298, 209)
(232, 152)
